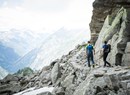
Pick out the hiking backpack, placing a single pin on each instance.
(107, 49)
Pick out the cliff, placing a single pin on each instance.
(116, 32)
(102, 8)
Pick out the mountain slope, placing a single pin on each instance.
(7, 57)
(22, 41)
(3, 73)
(18, 43)
(57, 45)
(25, 61)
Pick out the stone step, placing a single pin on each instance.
(124, 83)
(125, 77)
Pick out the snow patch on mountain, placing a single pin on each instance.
(58, 44)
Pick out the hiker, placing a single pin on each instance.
(106, 50)
(90, 51)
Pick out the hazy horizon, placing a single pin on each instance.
(45, 16)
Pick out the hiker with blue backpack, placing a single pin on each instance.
(106, 49)
(90, 51)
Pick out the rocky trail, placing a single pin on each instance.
(70, 76)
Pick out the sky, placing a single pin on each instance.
(45, 15)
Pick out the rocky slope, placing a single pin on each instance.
(70, 76)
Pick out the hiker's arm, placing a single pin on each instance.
(93, 50)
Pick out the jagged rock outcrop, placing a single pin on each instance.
(102, 8)
(117, 34)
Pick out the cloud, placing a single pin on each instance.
(10, 3)
(46, 5)
(46, 15)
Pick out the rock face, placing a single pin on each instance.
(126, 59)
(102, 8)
(116, 32)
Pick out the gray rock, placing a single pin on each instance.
(59, 91)
(98, 75)
(70, 89)
(122, 92)
(112, 93)
(45, 93)
(10, 88)
(69, 80)
(10, 77)
(128, 86)
(55, 73)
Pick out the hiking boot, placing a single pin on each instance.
(93, 65)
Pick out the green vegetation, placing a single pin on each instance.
(25, 72)
(82, 46)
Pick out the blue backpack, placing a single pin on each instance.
(107, 48)
(89, 48)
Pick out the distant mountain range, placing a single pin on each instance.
(27, 49)
(3, 73)
(22, 41)
(15, 44)
(58, 44)
(7, 57)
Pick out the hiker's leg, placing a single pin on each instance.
(88, 60)
(92, 59)
(104, 59)
(108, 63)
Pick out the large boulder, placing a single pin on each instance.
(10, 78)
(55, 73)
(58, 91)
(69, 80)
(9, 89)
(45, 93)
